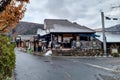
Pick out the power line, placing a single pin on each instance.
(113, 18)
(115, 7)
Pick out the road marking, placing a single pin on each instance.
(101, 67)
(75, 61)
(68, 75)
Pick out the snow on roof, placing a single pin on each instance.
(110, 37)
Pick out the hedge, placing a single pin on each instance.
(7, 57)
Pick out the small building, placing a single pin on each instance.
(24, 40)
(65, 34)
(112, 40)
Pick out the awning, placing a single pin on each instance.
(91, 35)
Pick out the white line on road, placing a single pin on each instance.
(101, 67)
(68, 75)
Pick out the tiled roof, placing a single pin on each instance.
(26, 37)
(63, 25)
(110, 37)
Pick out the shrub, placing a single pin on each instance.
(115, 55)
(7, 57)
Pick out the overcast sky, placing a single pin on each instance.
(84, 12)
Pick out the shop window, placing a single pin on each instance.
(83, 38)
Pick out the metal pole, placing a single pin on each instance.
(51, 38)
(103, 32)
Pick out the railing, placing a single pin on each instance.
(87, 48)
(76, 52)
(91, 45)
(83, 52)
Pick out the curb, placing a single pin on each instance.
(76, 57)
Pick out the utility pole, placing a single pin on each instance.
(103, 32)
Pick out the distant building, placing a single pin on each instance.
(112, 40)
(22, 39)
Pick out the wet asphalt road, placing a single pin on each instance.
(31, 67)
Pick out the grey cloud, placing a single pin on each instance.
(86, 12)
(66, 8)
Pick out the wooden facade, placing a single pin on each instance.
(66, 40)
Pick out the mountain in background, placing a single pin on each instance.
(27, 28)
(115, 28)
